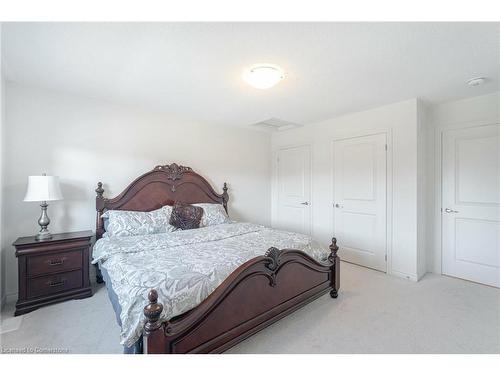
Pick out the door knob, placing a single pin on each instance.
(450, 211)
(305, 203)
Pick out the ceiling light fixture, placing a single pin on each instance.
(476, 81)
(263, 76)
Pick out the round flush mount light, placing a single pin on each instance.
(477, 81)
(263, 76)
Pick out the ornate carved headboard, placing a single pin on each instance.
(162, 186)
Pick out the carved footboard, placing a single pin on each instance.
(258, 293)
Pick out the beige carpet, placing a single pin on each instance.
(374, 313)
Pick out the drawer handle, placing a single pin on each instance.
(53, 284)
(57, 262)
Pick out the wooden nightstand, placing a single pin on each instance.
(52, 271)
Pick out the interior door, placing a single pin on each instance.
(294, 189)
(471, 204)
(360, 202)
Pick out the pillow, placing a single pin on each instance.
(213, 214)
(135, 223)
(185, 216)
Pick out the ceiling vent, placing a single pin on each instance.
(276, 124)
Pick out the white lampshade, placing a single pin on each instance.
(43, 188)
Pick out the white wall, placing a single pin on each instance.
(423, 199)
(400, 121)
(2, 150)
(476, 111)
(85, 141)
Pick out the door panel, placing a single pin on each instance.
(294, 189)
(478, 233)
(358, 167)
(361, 239)
(471, 204)
(359, 175)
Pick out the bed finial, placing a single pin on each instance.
(99, 190)
(333, 247)
(152, 312)
(333, 251)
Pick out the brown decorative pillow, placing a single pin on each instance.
(186, 216)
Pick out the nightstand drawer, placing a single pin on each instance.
(46, 285)
(56, 262)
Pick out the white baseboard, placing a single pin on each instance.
(421, 275)
(404, 276)
(9, 298)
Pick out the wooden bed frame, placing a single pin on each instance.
(258, 293)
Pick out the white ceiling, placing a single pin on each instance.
(194, 69)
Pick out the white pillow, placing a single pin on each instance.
(213, 214)
(136, 223)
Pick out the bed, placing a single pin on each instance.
(203, 290)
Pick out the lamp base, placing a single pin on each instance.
(43, 235)
(44, 222)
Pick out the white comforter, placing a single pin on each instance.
(184, 266)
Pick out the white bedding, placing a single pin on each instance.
(184, 266)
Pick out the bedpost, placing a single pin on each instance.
(152, 331)
(99, 225)
(335, 276)
(225, 196)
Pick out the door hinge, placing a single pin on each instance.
(385, 257)
(385, 147)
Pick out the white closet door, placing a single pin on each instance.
(471, 204)
(360, 202)
(294, 189)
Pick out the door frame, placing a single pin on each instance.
(388, 189)
(275, 196)
(438, 184)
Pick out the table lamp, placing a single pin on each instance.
(42, 189)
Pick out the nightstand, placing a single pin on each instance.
(52, 270)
